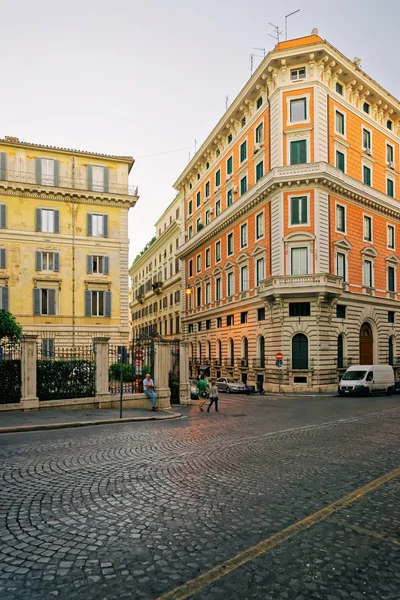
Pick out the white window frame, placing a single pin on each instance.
(388, 227)
(299, 247)
(233, 243)
(296, 70)
(343, 151)
(289, 99)
(218, 211)
(362, 137)
(218, 296)
(229, 274)
(344, 231)
(207, 217)
(96, 218)
(257, 279)
(392, 179)
(47, 253)
(393, 266)
(372, 228)
(389, 145)
(207, 253)
(244, 288)
(96, 185)
(47, 178)
(244, 226)
(302, 136)
(368, 166)
(244, 140)
(306, 195)
(46, 221)
(208, 292)
(259, 124)
(345, 255)
(340, 111)
(260, 214)
(198, 263)
(371, 261)
(96, 293)
(217, 260)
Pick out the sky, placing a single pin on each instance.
(148, 78)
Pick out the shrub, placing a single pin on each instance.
(115, 372)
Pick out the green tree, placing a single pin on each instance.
(10, 330)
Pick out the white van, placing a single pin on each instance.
(364, 380)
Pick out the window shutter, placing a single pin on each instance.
(39, 261)
(38, 172)
(2, 258)
(106, 179)
(56, 261)
(4, 298)
(89, 264)
(293, 153)
(88, 303)
(3, 165)
(52, 301)
(36, 301)
(38, 219)
(295, 211)
(302, 152)
(3, 220)
(89, 224)
(89, 178)
(56, 172)
(56, 221)
(304, 210)
(44, 348)
(107, 311)
(105, 227)
(106, 265)
(51, 348)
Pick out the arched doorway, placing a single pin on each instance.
(300, 351)
(340, 351)
(366, 345)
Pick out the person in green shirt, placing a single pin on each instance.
(202, 389)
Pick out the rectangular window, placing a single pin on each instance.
(299, 309)
(208, 293)
(298, 210)
(198, 199)
(297, 74)
(299, 257)
(390, 316)
(219, 322)
(191, 268)
(260, 133)
(260, 226)
(98, 178)
(4, 298)
(218, 178)
(208, 258)
(229, 197)
(243, 318)
(218, 288)
(198, 263)
(260, 270)
(97, 225)
(339, 88)
(217, 208)
(368, 279)
(367, 228)
(298, 110)
(230, 244)
(3, 219)
(366, 175)
(217, 251)
(229, 166)
(190, 232)
(3, 257)
(390, 278)
(389, 125)
(177, 324)
(340, 218)
(390, 187)
(243, 185)
(390, 237)
(243, 151)
(341, 265)
(366, 139)
(190, 209)
(199, 224)
(207, 191)
(229, 281)
(44, 301)
(229, 320)
(47, 220)
(298, 152)
(259, 170)
(260, 314)
(208, 324)
(389, 154)
(259, 102)
(47, 171)
(198, 296)
(339, 123)
(229, 138)
(340, 311)
(244, 279)
(366, 107)
(340, 160)
(190, 328)
(243, 235)
(208, 217)
(48, 349)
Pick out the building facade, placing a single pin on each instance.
(64, 242)
(156, 280)
(292, 225)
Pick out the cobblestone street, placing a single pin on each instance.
(139, 509)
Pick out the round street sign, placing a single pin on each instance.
(139, 363)
(139, 354)
(279, 356)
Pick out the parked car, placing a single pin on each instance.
(364, 380)
(194, 395)
(224, 384)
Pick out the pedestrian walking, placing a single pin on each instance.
(202, 390)
(213, 396)
(148, 386)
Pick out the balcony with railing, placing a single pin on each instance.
(229, 362)
(302, 285)
(242, 363)
(74, 183)
(258, 363)
(157, 287)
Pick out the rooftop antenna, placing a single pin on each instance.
(261, 50)
(195, 146)
(252, 57)
(286, 19)
(226, 102)
(276, 33)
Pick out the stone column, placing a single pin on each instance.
(102, 375)
(29, 399)
(184, 383)
(162, 365)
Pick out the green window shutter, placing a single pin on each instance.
(243, 185)
(38, 219)
(56, 172)
(51, 294)
(56, 221)
(259, 170)
(302, 152)
(56, 261)
(295, 214)
(4, 298)
(106, 178)
(243, 151)
(89, 264)
(89, 178)
(107, 265)
(218, 178)
(89, 224)
(38, 172)
(36, 301)
(304, 210)
(105, 228)
(391, 279)
(293, 153)
(2, 258)
(107, 298)
(367, 175)
(340, 161)
(229, 165)
(3, 219)
(39, 261)
(3, 165)
(389, 187)
(88, 303)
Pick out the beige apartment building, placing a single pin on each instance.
(156, 280)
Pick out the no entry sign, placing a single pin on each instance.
(279, 356)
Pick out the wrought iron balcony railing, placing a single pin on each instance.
(243, 363)
(259, 363)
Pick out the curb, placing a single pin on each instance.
(71, 424)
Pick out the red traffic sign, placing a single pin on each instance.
(139, 363)
(279, 356)
(139, 354)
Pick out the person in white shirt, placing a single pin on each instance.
(148, 386)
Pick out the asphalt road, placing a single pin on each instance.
(137, 510)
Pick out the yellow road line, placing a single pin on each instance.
(364, 531)
(194, 586)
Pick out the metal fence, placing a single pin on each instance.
(173, 376)
(10, 373)
(137, 360)
(66, 373)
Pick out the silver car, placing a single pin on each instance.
(231, 386)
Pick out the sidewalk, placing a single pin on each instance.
(11, 422)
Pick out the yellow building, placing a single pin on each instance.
(64, 242)
(156, 279)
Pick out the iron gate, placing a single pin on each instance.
(173, 375)
(137, 361)
(10, 373)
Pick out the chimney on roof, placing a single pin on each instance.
(10, 138)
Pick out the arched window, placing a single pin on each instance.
(231, 350)
(340, 351)
(245, 352)
(300, 351)
(219, 352)
(261, 351)
(391, 350)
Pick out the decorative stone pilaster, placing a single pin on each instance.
(162, 362)
(184, 383)
(29, 399)
(102, 384)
